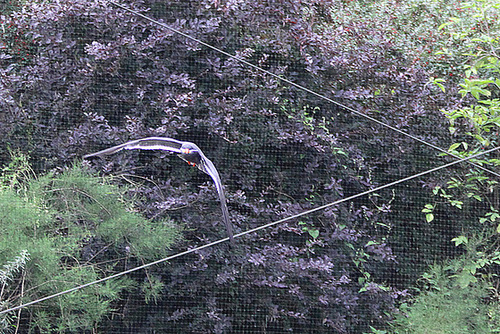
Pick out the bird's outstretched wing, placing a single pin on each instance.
(172, 145)
(150, 143)
(208, 167)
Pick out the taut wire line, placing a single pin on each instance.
(429, 171)
(243, 61)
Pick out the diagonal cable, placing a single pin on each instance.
(467, 159)
(354, 111)
(262, 227)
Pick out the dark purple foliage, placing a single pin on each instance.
(100, 76)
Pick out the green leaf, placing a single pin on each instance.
(436, 190)
(465, 280)
(460, 240)
(453, 20)
(313, 233)
(428, 208)
(429, 217)
(453, 147)
(497, 82)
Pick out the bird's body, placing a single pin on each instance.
(188, 152)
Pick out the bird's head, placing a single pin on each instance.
(189, 148)
(191, 154)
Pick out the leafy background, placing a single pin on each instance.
(78, 76)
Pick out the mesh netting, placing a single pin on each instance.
(306, 109)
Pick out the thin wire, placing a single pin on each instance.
(76, 288)
(467, 159)
(429, 171)
(354, 111)
(388, 185)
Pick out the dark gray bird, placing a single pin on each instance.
(188, 152)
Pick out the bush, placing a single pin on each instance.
(445, 306)
(106, 77)
(65, 229)
(462, 296)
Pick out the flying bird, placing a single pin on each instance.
(188, 152)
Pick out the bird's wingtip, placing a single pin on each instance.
(90, 155)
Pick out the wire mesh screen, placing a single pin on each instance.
(360, 183)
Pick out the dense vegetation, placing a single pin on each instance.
(78, 76)
(69, 228)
